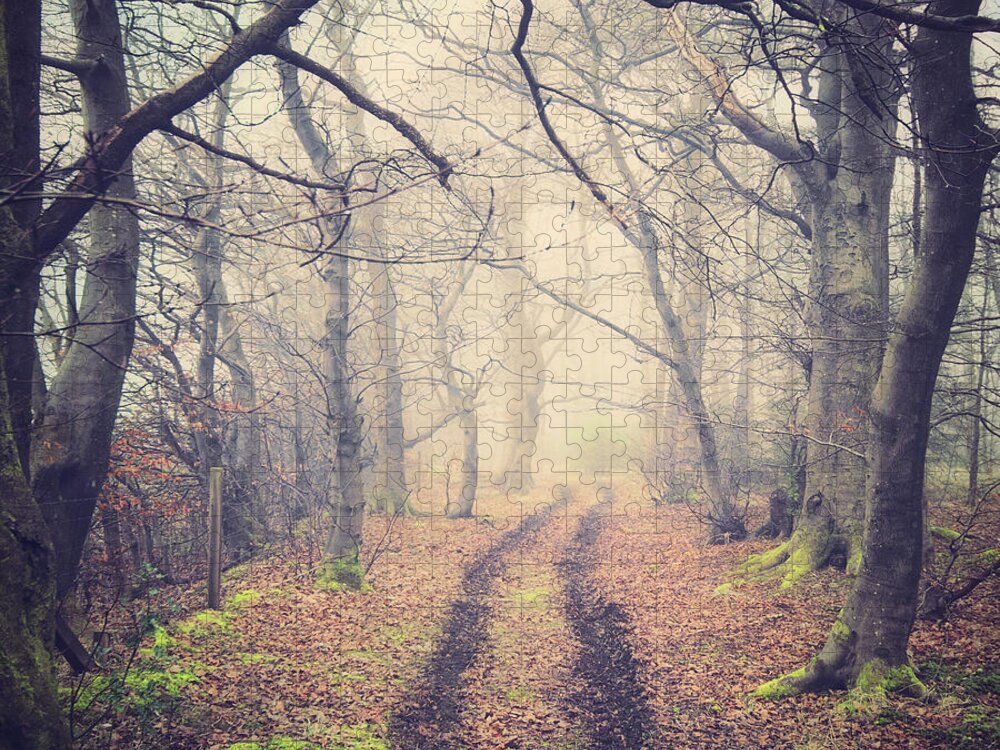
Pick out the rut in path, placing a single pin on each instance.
(615, 701)
(432, 716)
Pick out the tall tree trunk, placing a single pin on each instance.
(30, 715)
(71, 448)
(847, 316)
(976, 412)
(866, 647)
(347, 501)
(22, 173)
(391, 491)
(345, 490)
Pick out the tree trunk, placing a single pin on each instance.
(345, 494)
(111, 527)
(519, 475)
(469, 423)
(978, 378)
(391, 491)
(866, 648)
(30, 715)
(70, 452)
(22, 173)
(848, 312)
(347, 498)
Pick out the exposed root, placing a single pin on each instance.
(784, 687)
(877, 680)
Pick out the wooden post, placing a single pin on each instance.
(214, 537)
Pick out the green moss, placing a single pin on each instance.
(854, 561)
(149, 687)
(242, 599)
(369, 655)
(341, 574)
(839, 631)
(360, 737)
(287, 743)
(402, 633)
(984, 679)
(877, 680)
(724, 590)
(249, 660)
(275, 743)
(801, 562)
(988, 558)
(531, 597)
(942, 532)
(756, 564)
(520, 695)
(781, 687)
(162, 643)
(206, 624)
(977, 729)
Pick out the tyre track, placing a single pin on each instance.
(431, 718)
(615, 699)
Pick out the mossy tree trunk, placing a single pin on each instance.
(847, 315)
(846, 177)
(866, 648)
(30, 716)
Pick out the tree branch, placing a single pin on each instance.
(355, 97)
(108, 151)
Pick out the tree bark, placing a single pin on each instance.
(847, 317)
(345, 491)
(21, 173)
(71, 449)
(391, 471)
(866, 648)
(30, 715)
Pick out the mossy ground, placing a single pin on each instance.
(341, 574)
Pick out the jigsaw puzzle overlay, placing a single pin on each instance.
(431, 375)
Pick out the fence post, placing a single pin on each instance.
(214, 537)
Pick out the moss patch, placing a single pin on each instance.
(977, 729)
(206, 624)
(984, 679)
(877, 680)
(360, 737)
(781, 687)
(280, 742)
(242, 600)
(942, 532)
(341, 574)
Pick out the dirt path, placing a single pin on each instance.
(615, 698)
(433, 714)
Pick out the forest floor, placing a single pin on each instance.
(584, 624)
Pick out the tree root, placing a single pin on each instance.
(869, 688)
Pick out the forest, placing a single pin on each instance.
(542, 374)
